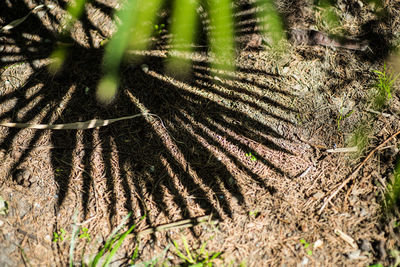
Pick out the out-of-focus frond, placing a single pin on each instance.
(137, 19)
(114, 52)
(270, 21)
(221, 37)
(137, 22)
(59, 54)
(183, 29)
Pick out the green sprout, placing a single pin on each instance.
(251, 156)
(359, 138)
(306, 245)
(385, 81)
(59, 236)
(342, 116)
(85, 234)
(158, 28)
(384, 86)
(254, 214)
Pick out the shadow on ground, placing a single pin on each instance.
(213, 131)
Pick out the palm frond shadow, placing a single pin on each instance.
(188, 162)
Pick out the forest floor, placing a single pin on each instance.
(247, 149)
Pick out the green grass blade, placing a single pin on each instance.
(59, 54)
(118, 244)
(180, 254)
(215, 255)
(186, 245)
(328, 14)
(135, 254)
(109, 241)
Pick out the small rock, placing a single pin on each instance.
(304, 261)
(297, 87)
(250, 225)
(144, 68)
(363, 212)
(285, 70)
(355, 255)
(152, 169)
(48, 238)
(365, 245)
(319, 243)
(23, 207)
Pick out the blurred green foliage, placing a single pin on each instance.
(138, 20)
(137, 24)
(59, 54)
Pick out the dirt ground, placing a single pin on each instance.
(247, 149)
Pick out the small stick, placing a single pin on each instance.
(306, 171)
(386, 115)
(346, 238)
(342, 149)
(354, 173)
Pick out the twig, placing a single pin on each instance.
(346, 238)
(342, 149)
(80, 125)
(306, 171)
(354, 173)
(386, 115)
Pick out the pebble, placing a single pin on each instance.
(47, 238)
(355, 255)
(365, 245)
(285, 70)
(144, 68)
(304, 261)
(318, 243)
(297, 87)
